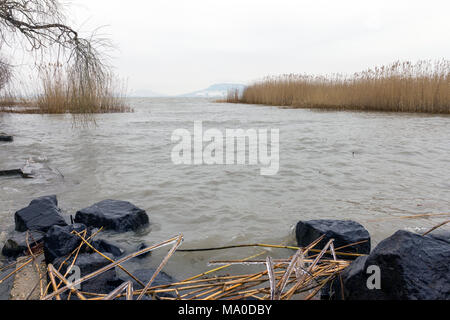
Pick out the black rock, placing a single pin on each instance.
(144, 275)
(412, 267)
(60, 241)
(12, 172)
(106, 247)
(143, 246)
(4, 138)
(41, 214)
(87, 264)
(344, 232)
(17, 245)
(115, 215)
(332, 290)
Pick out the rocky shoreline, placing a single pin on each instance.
(45, 227)
(410, 266)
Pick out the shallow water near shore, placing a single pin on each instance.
(374, 168)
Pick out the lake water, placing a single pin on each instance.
(370, 167)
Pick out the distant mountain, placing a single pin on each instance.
(218, 90)
(146, 94)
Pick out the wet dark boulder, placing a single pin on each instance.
(86, 264)
(41, 214)
(141, 247)
(61, 241)
(344, 232)
(6, 138)
(105, 246)
(144, 275)
(121, 216)
(12, 172)
(412, 267)
(17, 245)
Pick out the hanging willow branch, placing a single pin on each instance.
(42, 24)
(5, 73)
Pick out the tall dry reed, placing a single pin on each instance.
(11, 103)
(398, 87)
(7, 100)
(62, 92)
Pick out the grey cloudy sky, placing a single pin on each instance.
(176, 46)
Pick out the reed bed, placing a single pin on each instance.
(10, 103)
(7, 101)
(62, 92)
(399, 87)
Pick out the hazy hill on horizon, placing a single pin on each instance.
(218, 90)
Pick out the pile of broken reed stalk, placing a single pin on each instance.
(300, 276)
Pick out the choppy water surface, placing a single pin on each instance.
(369, 167)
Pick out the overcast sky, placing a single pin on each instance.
(178, 46)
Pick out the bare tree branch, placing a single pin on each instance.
(5, 73)
(41, 23)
